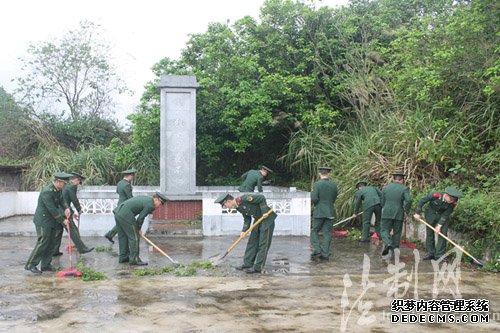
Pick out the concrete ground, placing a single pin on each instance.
(352, 292)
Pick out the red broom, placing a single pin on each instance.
(71, 271)
(73, 246)
(404, 242)
(409, 245)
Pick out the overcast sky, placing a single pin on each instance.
(140, 32)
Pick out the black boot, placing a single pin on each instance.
(139, 262)
(49, 268)
(110, 239)
(33, 270)
(252, 270)
(242, 267)
(387, 248)
(87, 250)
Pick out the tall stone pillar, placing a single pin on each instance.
(178, 134)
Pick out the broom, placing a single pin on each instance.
(69, 226)
(71, 271)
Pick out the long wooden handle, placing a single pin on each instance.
(347, 219)
(159, 250)
(246, 232)
(449, 240)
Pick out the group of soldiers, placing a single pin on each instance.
(388, 206)
(54, 212)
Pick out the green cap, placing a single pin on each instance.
(130, 171)
(399, 172)
(263, 167)
(221, 199)
(77, 175)
(451, 191)
(161, 196)
(361, 182)
(63, 176)
(324, 169)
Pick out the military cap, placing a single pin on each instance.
(161, 196)
(77, 175)
(63, 176)
(324, 169)
(130, 171)
(453, 192)
(361, 182)
(399, 172)
(221, 199)
(263, 167)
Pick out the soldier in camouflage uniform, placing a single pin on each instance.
(253, 205)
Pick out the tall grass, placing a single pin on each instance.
(148, 170)
(385, 142)
(96, 163)
(44, 165)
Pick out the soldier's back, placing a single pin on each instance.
(394, 195)
(251, 180)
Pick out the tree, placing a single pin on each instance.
(16, 136)
(73, 72)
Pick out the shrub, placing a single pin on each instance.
(476, 216)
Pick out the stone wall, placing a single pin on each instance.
(10, 178)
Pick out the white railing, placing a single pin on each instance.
(293, 208)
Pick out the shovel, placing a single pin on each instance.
(347, 219)
(216, 259)
(477, 261)
(176, 264)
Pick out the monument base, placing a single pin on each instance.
(182, 208)
(180, 216)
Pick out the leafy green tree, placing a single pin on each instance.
(16, 136)
(73, 73)
(444, 64)
(257, 86)
(360, 72)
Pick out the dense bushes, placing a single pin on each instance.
(477, 217)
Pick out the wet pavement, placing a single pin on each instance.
(352, 292)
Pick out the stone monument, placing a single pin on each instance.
(178, 134)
